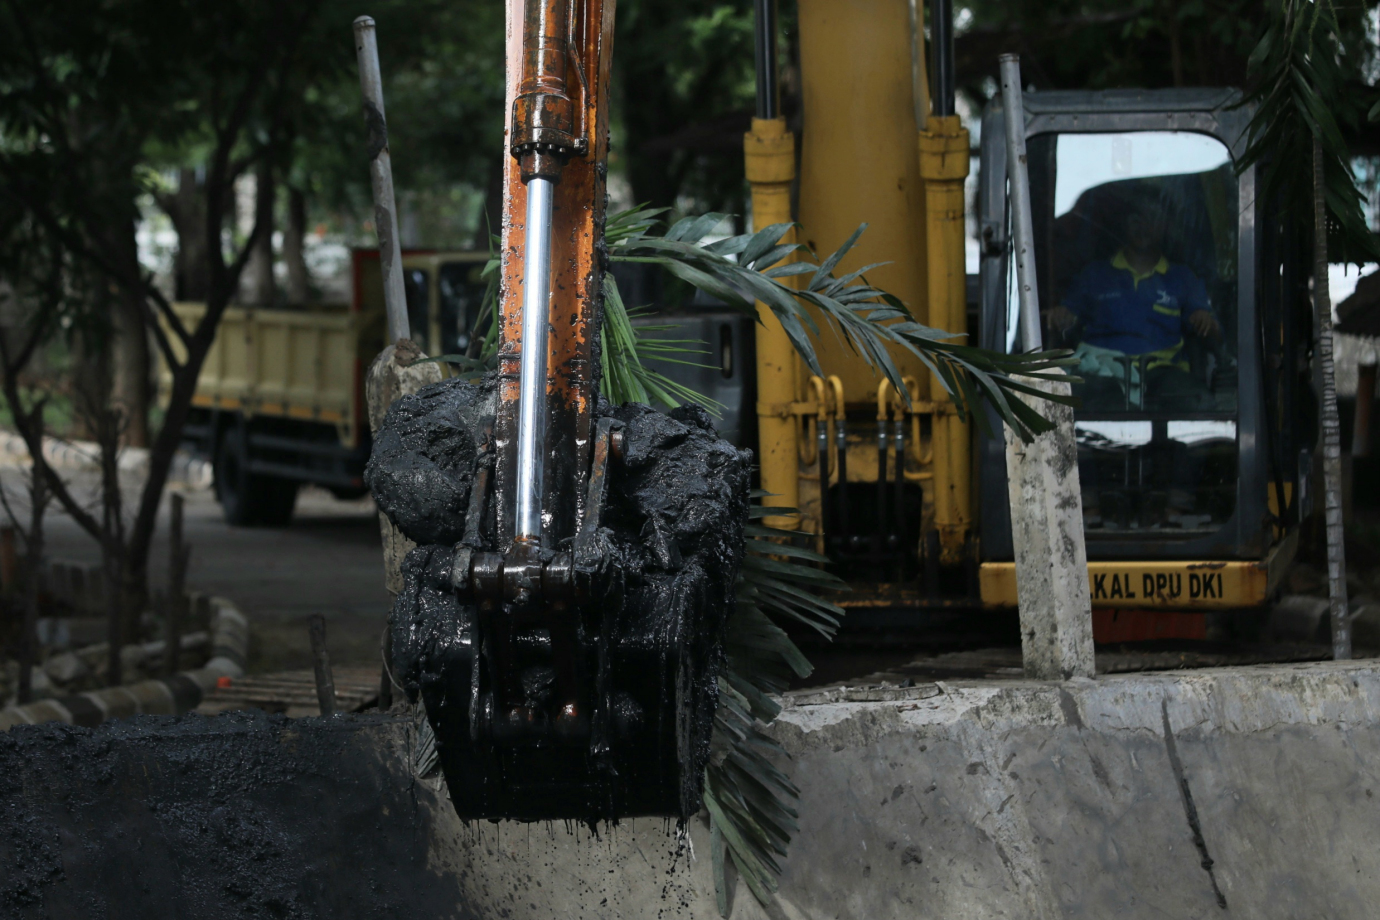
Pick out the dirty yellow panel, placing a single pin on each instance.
(1189, 585)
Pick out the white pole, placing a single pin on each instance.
(1022, 228)
(381, 176)
(1042, 476)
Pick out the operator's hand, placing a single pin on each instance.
(1203, 323)
(1061, 318)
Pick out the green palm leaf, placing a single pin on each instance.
(744, 269)
(1300, 92)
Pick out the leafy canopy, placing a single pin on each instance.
(1301, 92)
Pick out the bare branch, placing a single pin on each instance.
(161, 339)
(165, 309)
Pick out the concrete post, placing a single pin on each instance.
(395, 373)
(1051, 557)
(1046, 501)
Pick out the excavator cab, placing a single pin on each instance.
(1182, 299)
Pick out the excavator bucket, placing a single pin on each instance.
(561, 617)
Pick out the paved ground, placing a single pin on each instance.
(327, 561)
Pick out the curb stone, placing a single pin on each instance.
(168, 696)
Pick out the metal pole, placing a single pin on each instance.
(764, 52)
(919, 80)
(381, 177)
(536, 294)
(1022, 228)
(942, 45)
(321, 665)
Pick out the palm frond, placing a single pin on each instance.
(750, 800)
(626, 376)
(1300, 91)
(742, 270)
(626, 348)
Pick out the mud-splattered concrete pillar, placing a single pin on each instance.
(1051, 556)
(399, 370)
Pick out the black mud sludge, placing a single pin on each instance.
(595, 704)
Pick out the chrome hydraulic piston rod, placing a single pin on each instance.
(543, 138)
(536, 294)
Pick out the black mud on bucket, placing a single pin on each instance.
(640, 643)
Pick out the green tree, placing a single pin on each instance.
(85, 90)
(443, 84)
(683, 96)
(1099, 44)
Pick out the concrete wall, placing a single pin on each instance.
(1133, 796)
(1022, 800)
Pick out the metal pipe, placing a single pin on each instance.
(536, 308)
(381, 178)
(942, 45)
(764, 53)
(841, 460)
(919, 80)
(883, 398)
(898, 526)
(1022, 228)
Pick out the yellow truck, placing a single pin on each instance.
(280, 400)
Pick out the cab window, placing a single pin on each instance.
(416, 287)
(1136, 254)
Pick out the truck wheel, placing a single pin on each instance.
(246, 499)
(275, 499)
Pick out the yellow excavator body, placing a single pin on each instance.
(870, 154)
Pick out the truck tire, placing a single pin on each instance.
(248, 499)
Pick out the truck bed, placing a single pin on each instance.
(301, 364)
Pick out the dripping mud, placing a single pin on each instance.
(642, 642)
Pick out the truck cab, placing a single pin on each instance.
(444, 293)
(1184, 299)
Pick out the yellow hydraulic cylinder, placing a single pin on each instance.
(943, 167)
(858, 163)
(769, 151)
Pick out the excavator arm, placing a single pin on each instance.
(561, 619)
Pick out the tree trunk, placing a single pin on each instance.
(261, 286)
(1176, 44)
(131, 385)
(294, 250)
(1331, 425)
(186, 208)
(33, 568)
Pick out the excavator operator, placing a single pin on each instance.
(1131, 313)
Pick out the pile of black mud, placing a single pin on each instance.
(242, 815)
(647, 633)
